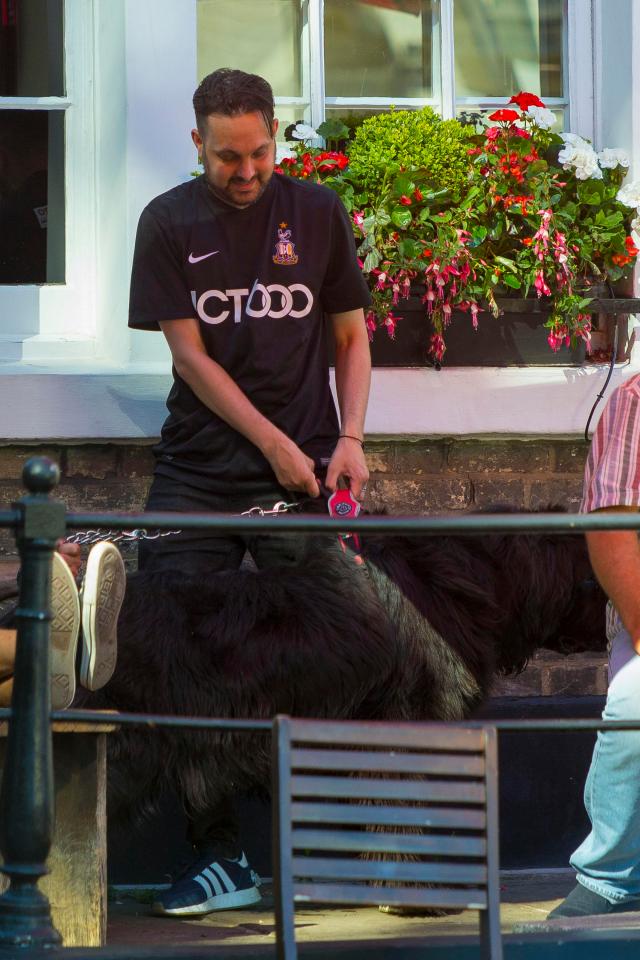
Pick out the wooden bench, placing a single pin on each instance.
(77, 882)
(418, 800)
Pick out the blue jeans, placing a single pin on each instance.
(608, 861)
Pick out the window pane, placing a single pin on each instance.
(379, 48)
(259, 36)
(504, 46)
(31, 196)
(31, 48)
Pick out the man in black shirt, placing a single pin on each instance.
(242, 269)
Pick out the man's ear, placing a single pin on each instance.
(197, 139)
(274, 127)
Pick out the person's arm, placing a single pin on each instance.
(215, 388)
(353, 377)
(615, 558)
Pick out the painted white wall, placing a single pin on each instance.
(102, 381)
(161, 79)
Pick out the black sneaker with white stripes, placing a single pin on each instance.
(210, 883)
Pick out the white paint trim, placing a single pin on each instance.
(58, 311)
(129, 402)
(315, 54)
(579, 72)
(447, 61)
(34, 103)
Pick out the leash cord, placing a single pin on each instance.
(89, 537)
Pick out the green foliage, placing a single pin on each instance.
(406, 139)
(462, 218)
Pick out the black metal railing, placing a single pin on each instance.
(26, 795)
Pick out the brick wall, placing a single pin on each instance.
(408, 476)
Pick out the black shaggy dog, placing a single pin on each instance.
(418, 632)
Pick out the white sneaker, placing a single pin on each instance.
(65, 626)
(101, 595)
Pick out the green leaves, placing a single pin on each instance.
(333, 129)
(591, 192)
(401, 217)
(511, 281)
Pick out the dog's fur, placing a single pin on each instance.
(418, 633)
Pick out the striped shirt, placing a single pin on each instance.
(612, 472)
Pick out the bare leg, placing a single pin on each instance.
(7, 653)
(6, 689)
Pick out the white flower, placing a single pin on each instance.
(629, 194)
(573, 140)
(609, 159)
(582, 159)
(284, 151)
(635, 229)
(302, 131)
(542, 117)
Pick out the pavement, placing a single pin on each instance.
(526, 899)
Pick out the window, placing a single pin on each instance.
(49, 195)
(31, 142)
(340, 57)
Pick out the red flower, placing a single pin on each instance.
(525, 100)
(405, 200)
(504, 116)
(632, 250)
(417, 193)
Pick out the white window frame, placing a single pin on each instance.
(578, 75)
(57, 320)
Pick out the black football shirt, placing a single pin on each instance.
(260, 281)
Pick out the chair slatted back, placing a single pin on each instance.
(372, 813)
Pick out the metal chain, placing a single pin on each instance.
(89, 537)
(123, 537)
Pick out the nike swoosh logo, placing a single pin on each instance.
(204, 256)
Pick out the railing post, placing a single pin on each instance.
(26, 796)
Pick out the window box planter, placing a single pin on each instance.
(516, 338)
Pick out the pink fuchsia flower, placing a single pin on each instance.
(358, 219)
(526, 100)
(390, 324)
(541, 285)
(437, 347)
(475, 310)
(370, 323)
(429, 298)
(380, 283)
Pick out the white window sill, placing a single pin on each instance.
(98, 401)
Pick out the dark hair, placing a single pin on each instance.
(233, 92)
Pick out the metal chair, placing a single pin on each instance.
(418, 800)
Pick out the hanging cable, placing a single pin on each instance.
(614, 354)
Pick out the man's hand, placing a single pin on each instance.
(292, 467)
(71, 554)
(348, 461)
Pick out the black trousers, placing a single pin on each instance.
(200, 552)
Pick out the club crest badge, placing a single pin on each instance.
(285, 253)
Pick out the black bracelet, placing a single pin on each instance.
(348, 436)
